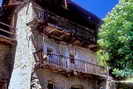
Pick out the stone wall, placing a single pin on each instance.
(7, 53)
(21, 76)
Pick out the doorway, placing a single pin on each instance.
(77, 87)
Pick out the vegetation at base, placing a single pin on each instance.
(116, 40)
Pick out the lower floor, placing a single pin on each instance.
(7, 53)
(55, 80)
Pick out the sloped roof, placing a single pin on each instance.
(73, 12)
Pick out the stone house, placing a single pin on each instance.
(56, 44)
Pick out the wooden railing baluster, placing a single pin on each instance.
(79, 65)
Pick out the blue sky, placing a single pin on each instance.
(0, 2)
(99, 7)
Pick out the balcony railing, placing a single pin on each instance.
(6, 33)
(61, 61)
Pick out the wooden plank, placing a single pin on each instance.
(7, 40)
(53, 30)
(11, 5)
(7, 25)
(11, 39)
(11, 33)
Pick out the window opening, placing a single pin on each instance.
(50, 85)
(49, 51)
(72, 58)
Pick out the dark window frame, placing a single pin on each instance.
(72, 58)
(51, 85)
(49, 51)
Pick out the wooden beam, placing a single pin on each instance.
(10, 5)
(77, 42)
(92, 46)
(11, 33)
(14, 2)
(53, 30)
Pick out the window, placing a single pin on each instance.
(50, 55)
(50, 85)
(72, 59)
(49, 51)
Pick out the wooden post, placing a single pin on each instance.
(108, 79)
(35, 83)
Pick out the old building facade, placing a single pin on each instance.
(56, 44)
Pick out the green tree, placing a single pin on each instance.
(116, 40)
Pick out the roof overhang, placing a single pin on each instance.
(72, 12)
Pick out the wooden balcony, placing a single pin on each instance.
(6, 34)
(62, 63)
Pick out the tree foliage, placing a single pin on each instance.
(116, 40)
